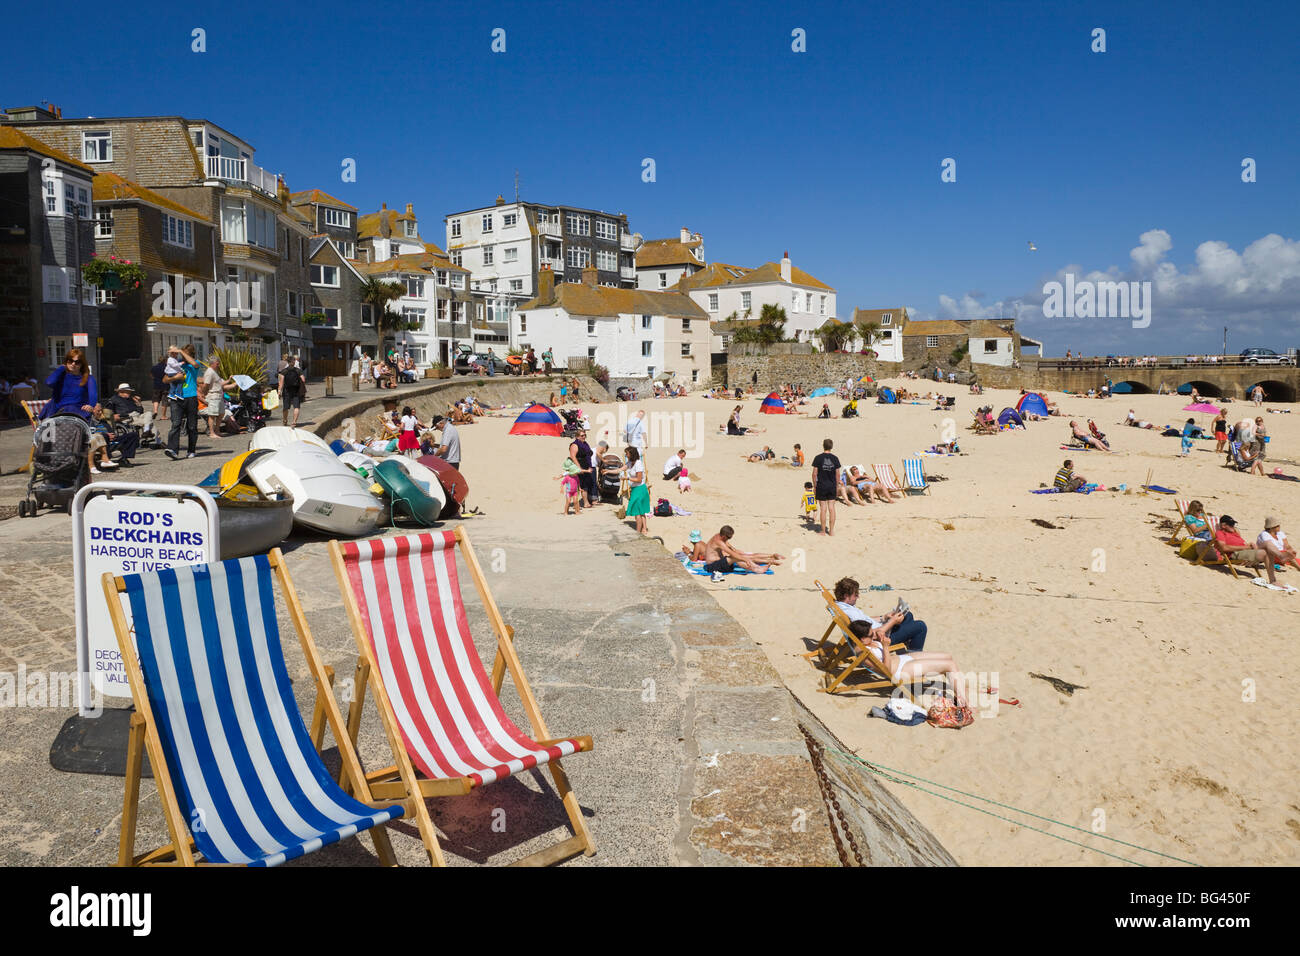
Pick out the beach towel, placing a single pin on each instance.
(697, 567)
(1083, 490)
(1159, 489)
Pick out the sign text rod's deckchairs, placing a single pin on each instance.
(914, 475)
(238, 776)
(441, 712)
(841, 659)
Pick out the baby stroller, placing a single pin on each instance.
(573, 421)
(611, 478)
(249, 412)
(60, 464)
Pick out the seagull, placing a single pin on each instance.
(1032, 247)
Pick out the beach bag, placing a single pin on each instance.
(944, 713)
(663, 508)
(271, 400)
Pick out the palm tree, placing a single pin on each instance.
(867, 331)
(834, 335)
(379, 293)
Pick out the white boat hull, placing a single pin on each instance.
(278, 436)
(328, 496)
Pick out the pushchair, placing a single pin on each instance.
(610, 481)
(249, 413)
(574, 422)
(60, 464)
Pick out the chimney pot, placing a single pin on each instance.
(410, 209)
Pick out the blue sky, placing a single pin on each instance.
(833, 154)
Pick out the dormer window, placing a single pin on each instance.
(886, 318)
(410, 229)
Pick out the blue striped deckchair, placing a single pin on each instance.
(914, 476)
(236, 770)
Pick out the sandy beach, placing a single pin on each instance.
(1163, 745)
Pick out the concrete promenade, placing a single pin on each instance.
(699, 757)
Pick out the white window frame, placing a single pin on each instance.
(51, 196)
(663, 280)
(453, 227)
(822, 307)
(456, 257)
(458, 280)
(97, 146)
(410, 314)
(516, 285)
(177, 231)
(414, 287)
(487, 222)
(509, 220)
(713, 302)
(994, 349)
(686, 325)
(346, 248)
(489, 256)
(103, 223)
(932, 341)
(591, 353)
(577, 224)
(647, 322)
(591, 326)
(607, 229)
(746, 298)
(576, 257)
(318, 276)
(409, 228)
(607, 260)
(338, 217)
(686, 349)
(510, 254)
(886, 318)
(647, 349)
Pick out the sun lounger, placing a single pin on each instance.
(914, 476)
(235, 768)
(840, 659)
(441, 712)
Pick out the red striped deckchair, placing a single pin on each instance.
(1224, 558)
(885, 475)
(1181, 504)
(441, 711)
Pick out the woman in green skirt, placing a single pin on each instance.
(638, 500)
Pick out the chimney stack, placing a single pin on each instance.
(785, 266)
(545, 286)
(501, 201)
(589, 276)
(410, 209)
(686, 234)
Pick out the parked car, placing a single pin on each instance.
(465, 362)
(1260, 357)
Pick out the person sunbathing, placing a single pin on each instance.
(763, 455)
(721, 556)
(1229, 542)
(1274, 541)
(847, 491)
(984, 424)
(913, 667)
(459, 417)
(867, 487)
(1079, 435)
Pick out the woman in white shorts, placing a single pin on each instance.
(913, 667)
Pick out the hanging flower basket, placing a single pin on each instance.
(112, 272)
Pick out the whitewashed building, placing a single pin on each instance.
(722, 290)
(632, 332)
(888, 340)
(661, 263)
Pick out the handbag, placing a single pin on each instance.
(944, 713)
(271, 400)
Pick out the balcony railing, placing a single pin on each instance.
(556, 265)
(548, 229)
(627, 272)
(241, 171)
(625, 241)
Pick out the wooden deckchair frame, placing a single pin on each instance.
(1182, 504)
(888, 480)
(33, 407)
(144, 736)
(1224, 558)
(924, 487)
(400, 780)
(839, 660)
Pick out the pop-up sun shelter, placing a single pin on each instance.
(538, 419)
(772, 405)
(1011, 417)
(1032, 403)
(886, 396)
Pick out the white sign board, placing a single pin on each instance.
(118, 530)
(80, 339)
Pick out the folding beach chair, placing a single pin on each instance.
(914, 476)
(885, 475)
(231, 757)
(1181, 504)
(841, 658)
(441, 712)
(1223, 558)
(33, 410)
